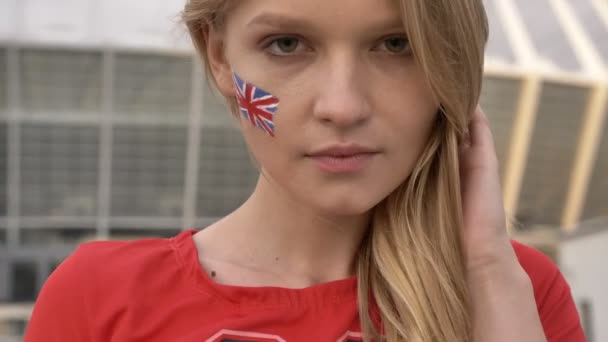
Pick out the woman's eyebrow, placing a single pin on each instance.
(279, 20)
(387, 25)
(286, 21)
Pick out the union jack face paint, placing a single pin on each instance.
(257, 105)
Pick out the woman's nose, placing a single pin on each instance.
(341, 98)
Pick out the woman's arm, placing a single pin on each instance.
(60, 313)
(502, 283)
(504, 308)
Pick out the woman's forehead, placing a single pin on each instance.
(306, 14)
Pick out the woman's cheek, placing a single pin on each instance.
(256, 105)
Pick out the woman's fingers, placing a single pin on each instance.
(479, 148)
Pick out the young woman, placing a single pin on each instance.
(378, 211)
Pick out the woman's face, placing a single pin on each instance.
(354, 110)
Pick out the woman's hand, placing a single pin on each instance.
(485, 239)
(502, 296)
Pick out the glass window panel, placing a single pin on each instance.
(148, 85)
(226, 172)
(59, 170)
(148, 171)
(60, 82)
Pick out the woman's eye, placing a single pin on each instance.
(396, 45)
(284, 46)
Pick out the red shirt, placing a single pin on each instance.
(155, 290)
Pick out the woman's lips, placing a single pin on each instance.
(344, 158)
(343, 164)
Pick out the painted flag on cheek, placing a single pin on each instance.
(257, 105)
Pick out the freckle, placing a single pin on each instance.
(213, 274)
(276, 259)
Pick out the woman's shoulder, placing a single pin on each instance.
(98, 266)
(98, 256)
(118, 259)
(552, 293)
(540, 268)
(122, 251)
(98, 281)
(544, 273)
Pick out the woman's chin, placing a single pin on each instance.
(345, 208)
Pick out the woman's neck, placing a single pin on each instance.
(273, 234)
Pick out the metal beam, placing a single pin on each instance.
(105, 145)
(14, 145)
(591, 133)
(193, 148)
(523, 126)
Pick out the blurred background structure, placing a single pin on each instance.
(108, 130)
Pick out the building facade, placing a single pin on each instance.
(108, 129)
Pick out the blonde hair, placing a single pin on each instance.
(411, 272)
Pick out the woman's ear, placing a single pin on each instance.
(220, 68)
